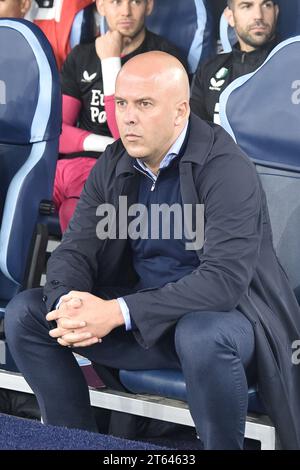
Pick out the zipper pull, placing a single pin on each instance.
(153, 186)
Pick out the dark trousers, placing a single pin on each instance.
(215, 351)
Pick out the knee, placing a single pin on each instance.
(22, 310)
(193, 337)
(198, 339)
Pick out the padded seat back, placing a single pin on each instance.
(30, 124)
(262, 113)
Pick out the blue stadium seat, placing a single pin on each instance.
(83, 28)
(261, 112)
(289, 18)
(188, 24)
(170, 383)
(227, 35)
(30, 125)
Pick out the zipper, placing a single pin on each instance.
(145, 173)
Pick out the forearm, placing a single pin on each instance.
(72, 139)
(110, 69)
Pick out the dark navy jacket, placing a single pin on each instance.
(237, 268)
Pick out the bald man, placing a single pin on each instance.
(174, 219)
(14, 8)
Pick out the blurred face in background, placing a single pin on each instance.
(254, 21)
(125, 16)
(14, 8)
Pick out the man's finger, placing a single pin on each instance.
(57, 332)
(68, 323)
(73, 337)
(75, 302)
(89, 342)
(71, 295)
(62, 342)
(54, 315)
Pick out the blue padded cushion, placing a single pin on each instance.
(265, 105)
(166, 382)
(16, 114)
(289, 18)
(184, 24)
(30, 124)
(12, 157)
(170, 383)
(83, 27)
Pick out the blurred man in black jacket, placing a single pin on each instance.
(254, 22)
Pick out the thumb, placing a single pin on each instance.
(71, 300)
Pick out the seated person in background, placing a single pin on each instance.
(55, 25)
(14, 8)
(213, 302)
(56, 19)
(255, 26)
(88, 86)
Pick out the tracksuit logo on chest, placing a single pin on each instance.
(218, 80)
(86, 78)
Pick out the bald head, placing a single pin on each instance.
(152, 105)
(162, 69)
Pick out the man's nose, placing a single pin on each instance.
(258, 12)
(126, 8)
(130, 116)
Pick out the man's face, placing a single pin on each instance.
(146, 114)
(254, 21)
(12, 8)
(125, 16)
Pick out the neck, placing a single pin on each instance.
(135, 42)
(248, 48)
(153, 162)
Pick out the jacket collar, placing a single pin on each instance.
(197, 145)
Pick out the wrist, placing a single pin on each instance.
(110, 69)
(118, 318)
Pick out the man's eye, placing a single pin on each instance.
(145, 104)
(121, 103)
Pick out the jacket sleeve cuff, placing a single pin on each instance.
(125, 312)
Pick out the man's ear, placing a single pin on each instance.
(149, 7)
(25, 6)
(182, 112)
(228, 13)
(100, 7)
(276, 11)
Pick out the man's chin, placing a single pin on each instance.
(133, 149)
(259, 40)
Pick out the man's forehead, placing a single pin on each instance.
(135, 83)
(259, 2)
(140, 93)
